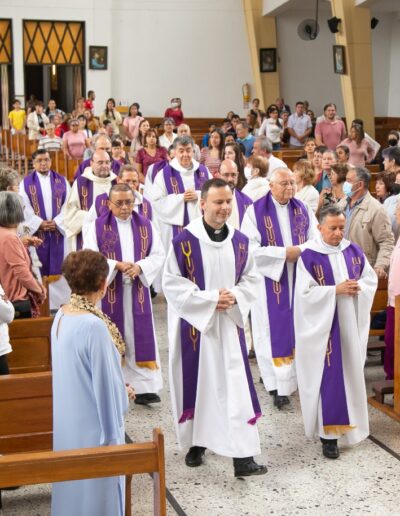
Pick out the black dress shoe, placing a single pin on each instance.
(153, 293)
(330, 448)
(147, 398)
(247, 467)
(280, 401)
(194, 456)
(252, 354)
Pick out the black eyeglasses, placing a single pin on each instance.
(120, 204)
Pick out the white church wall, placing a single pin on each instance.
(306, 67)
(194, 49)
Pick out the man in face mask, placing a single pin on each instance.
(393, 142)
(367, 222)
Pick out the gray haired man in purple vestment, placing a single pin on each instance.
(335, 288)
(278, 225)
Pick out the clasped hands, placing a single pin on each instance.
(348, 288)
(190, 195)
(225, 300)
(129, 269)
(48, 225)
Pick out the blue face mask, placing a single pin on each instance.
(347, 189)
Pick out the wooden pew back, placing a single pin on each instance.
(379, 304)
(30, 340)
(26, 418)
(26, 435)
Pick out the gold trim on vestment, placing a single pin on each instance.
(338, 429)
(152, 364)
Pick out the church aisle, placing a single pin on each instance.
(364, 480)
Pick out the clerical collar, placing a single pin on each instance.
(216, 235)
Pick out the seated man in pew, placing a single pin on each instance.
(89, 394)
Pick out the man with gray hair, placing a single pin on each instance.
(367, 222)
(176, 190)
(263, 147)
(99, 142)
(333, 275)
(278, 225)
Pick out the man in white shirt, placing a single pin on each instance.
(262, 147)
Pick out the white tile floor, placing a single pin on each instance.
(364, 480)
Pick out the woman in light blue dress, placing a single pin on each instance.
(89, 393)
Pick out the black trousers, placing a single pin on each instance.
(4, 365)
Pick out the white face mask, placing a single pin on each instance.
(174, 104)
(248, 171)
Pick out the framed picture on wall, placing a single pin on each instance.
(339, 65)
(98, 58)
(267, 60)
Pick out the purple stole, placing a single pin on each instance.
(278, 294)
(158, 165)
(333, 393)
(51, 251)
(85, 193)
(174, 185)
(145, 209)
(243, 202)
(188, 255)
(115, 166)
(112, 303)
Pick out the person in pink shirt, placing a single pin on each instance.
(360, 149)
(132, 121)
(331, 130)
(74, 141)
(175, 112)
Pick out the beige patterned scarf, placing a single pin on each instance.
(78, 302)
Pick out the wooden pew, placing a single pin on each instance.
(390, 386)
(26, 444)
(379, 304)
(30, 340)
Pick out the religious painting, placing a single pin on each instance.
(98, 58)
(338, 59)
(267, 60)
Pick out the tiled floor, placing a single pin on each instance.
(364, 481)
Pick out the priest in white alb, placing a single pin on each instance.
(210, 282)
(176, 190)
(135, 256)
(277, 225)
(95, 180)
(44, 193)
(335, 288)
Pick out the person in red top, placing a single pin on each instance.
(89, 101)
(150, 153)
(175, 111)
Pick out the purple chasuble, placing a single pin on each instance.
(115, 166)
(335, 414)
(188, 255)
(174, 185)
(51, 251)
(243, 202)
(109, 244)
(279, 302)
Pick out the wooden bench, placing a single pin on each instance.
(30, 340)
(379, 304)
(390, 386)
(26, 445)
